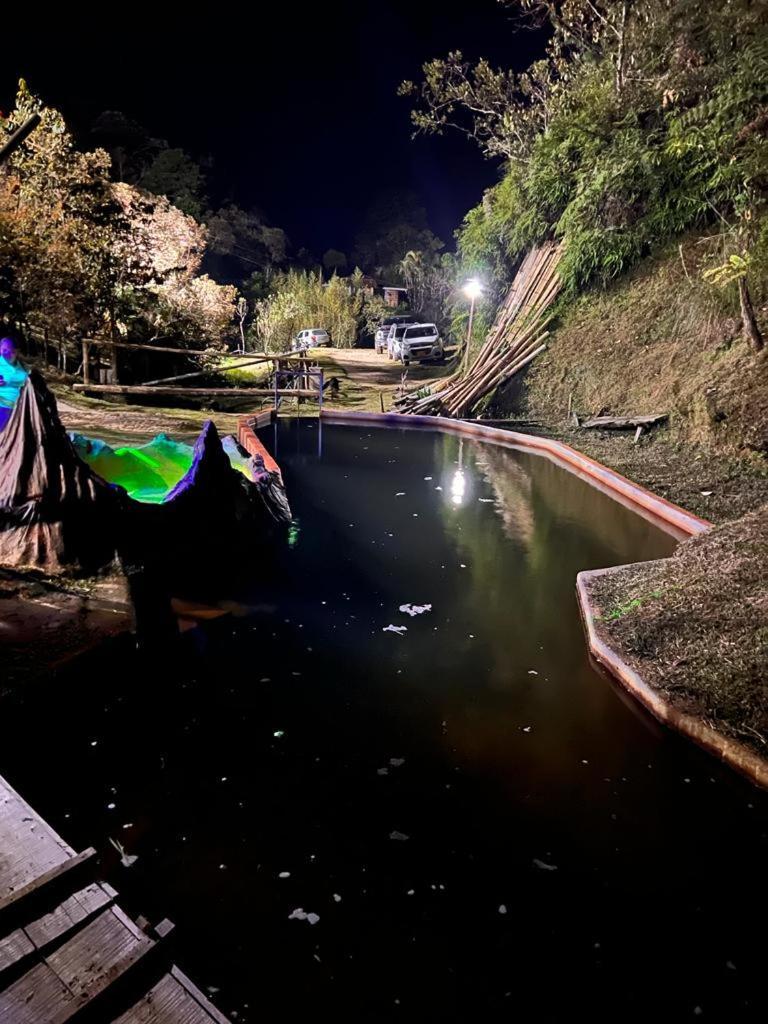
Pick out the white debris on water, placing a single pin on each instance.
(299, 915)
(126, 859)
(532, 672)
(395, 629)
(399, 836)
(543, 865)
(382, 771)
(396, 761)
(502, 908)
(284, 874)
(336, 898)
(415, 609)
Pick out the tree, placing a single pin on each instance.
(645, 119)
(243, 243)
(175, 175)
(431, 282)
(159, 289)
(80, 254)
(59, 228)
(130, 147)
(394, 225)
(301, 299)
(334, 261)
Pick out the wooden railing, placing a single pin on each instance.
(289, 367)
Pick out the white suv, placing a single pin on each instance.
(311, 338)
(384, 328)
(416, 341)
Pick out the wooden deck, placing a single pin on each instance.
(67, 950)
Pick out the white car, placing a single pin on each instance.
(396, 331)
(382, 332)
(417, 341)
(313, 337)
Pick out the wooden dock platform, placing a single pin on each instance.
(68, 952)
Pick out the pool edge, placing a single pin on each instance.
(683, 523)
(732, 752)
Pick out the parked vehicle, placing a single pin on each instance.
(312, 337)
(396, 332)
(417, 341)
(382, 333)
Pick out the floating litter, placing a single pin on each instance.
(299, 915)
(502, 908)
(126, 859)
(399, 836)
(543, 865)
(415, 609)
(395, 629)
(284, 874)
(396, 761)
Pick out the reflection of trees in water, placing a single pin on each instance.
(518, 597)
(512, 488)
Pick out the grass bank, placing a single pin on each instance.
(695, 626)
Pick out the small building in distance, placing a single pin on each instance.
(394, 296)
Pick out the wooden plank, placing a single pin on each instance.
(104, 343)
(47, 878)
(624, 422)
(51, 926)
(14, 947)
(142, 389)
(173, 1000)
(53, 991)
(40, 997)
(29, 847)
(133, 346)
(73, 911)
(201, 373)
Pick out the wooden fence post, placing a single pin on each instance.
(86, 362)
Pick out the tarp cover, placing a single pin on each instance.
(56, 514)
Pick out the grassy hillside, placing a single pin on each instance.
(660, 340)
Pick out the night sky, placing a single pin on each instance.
(298, 111)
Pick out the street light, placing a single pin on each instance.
(473, 290)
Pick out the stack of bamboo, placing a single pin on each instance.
(515, 339)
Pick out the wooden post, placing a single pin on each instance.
(320, 392)
(86, 362)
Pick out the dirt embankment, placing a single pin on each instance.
(660, 341)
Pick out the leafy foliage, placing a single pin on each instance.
(302, 299)
(645, 120)
(81, 254)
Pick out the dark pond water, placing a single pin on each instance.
(486, 828)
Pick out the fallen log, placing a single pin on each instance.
(624, 422)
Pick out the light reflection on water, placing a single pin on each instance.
(480, 732)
